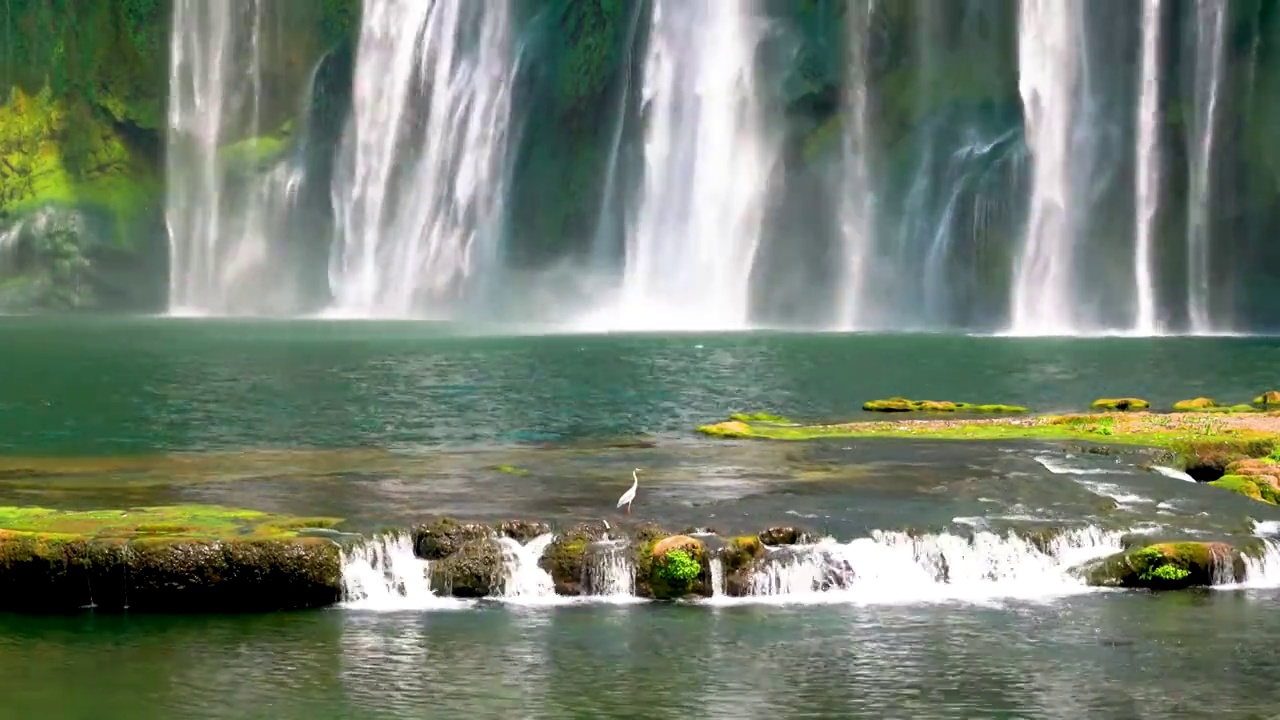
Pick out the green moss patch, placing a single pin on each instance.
(899, 405)
(178, 522)
(1169, 566)
(1268, 399)
(165, 559)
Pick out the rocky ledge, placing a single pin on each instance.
(1235, 447)
(165, 559)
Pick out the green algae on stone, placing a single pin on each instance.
(165, 559)
(177, 522)
(1268, 399)
(443, 537)
(762, 417)
(565, 558)
(1253, 487)
(900, 404)
(510, 469)
(1122, 404)
(1200, 404)
(473, 570)
(1168, 566)
(673, 567)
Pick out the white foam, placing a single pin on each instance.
(383, 574)
(897, 568)
(1059, 468)
(1173, 473)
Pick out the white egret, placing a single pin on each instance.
(630, 495)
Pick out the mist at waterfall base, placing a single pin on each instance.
(718, 181)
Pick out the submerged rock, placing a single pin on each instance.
(444, 537)
(1122, 404)
(1194, 405)
(775, 536)
(164, 559)
(899, 404)
(1169, 566)
(474, 570)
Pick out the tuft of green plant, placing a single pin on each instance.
(1168, 573)
(678, 568)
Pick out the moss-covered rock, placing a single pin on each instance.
(1268, 399)
(522, 531)
(739, 558)
(565, 558)
(899, 404)
(1200, 404)
(164, 559)
(473, 570)
(673, 567)
(1169, 566)
(1257, 487)
(786, 535)
(444, 537)
(1121, 404)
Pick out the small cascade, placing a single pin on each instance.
(717, 577)
(609, 570)
(384, 574)
(898, 567)
(1260, 571)
(522, 576)
(1173, 473)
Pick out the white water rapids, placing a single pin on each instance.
(884, 568)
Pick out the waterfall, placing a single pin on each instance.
(898, 567)
(522, 577)
(609, 571)
(417, 192)
(1211, 30)
(856, 208)
(1148, 170)
(1260, 571)
(225, 215)
(1048, 68)
(691, 248)
(204, 88)
(717, 577)
(384, 574)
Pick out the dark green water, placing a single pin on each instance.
(1113, 657)
(387, 423)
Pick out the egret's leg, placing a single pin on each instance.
(628, 508)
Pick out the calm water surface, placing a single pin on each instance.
(1112, 656)
(387, 423)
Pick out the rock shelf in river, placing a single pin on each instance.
(212, 559)
(164, 559)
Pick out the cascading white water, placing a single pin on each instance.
(856, 207)
(1148, 171)
(384, 574)
(418, 189)
(717, 577)
(608, 570)
(1260, 571)
(1211, 30)
(897, 567)
(225, 216)
(522, 577)
(203, 86)
(707, 158)
(1049, 50)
